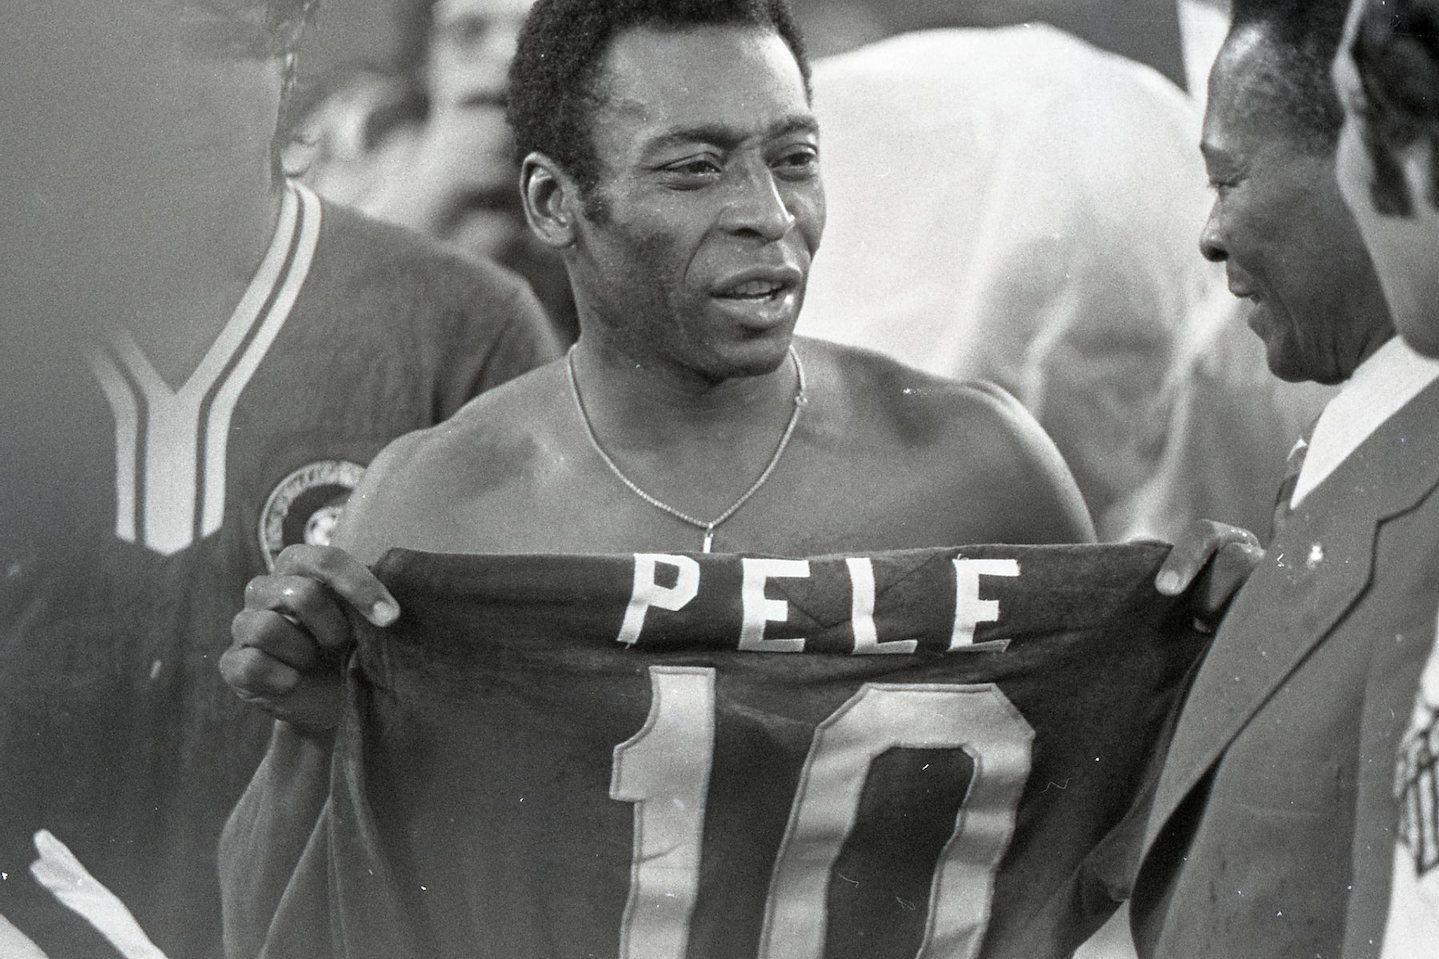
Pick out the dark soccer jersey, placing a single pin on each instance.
(920, 753)
(116, 732)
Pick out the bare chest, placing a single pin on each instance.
(817, 499)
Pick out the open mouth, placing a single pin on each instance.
(754, 291)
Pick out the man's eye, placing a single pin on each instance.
(799, 162)
(692, 174)
(700, 167)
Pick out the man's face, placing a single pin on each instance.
(186, 76)
(1281, 229)
(709, 206)
(134, 113)
(1403, 247)
(471, 45)
(171, 102)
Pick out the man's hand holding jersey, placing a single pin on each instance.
(1213, 558)
(289, 641)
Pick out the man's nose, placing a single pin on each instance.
(1211, 240)
(757, 207)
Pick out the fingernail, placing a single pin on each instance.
(384, 613)
(1167, 583)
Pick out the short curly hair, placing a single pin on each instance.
(1396, 54)
(552, 83)
(1305, 34)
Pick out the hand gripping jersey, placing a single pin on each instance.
(122, 565)
(937, 753)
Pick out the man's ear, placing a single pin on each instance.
(552, 200)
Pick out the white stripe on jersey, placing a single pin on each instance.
(59, 871)
(14, 944)
(228, 395)
(170, 445)
(127, 429)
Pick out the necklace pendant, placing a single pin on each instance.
(800, 399)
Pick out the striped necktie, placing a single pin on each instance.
(1293, 464)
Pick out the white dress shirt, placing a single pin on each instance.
(1379, 388)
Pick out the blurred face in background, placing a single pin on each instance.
(1280, 227)
(137, 115)
(471, 45)
(176, 88)
(1405, 247)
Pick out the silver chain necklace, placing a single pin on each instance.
(800, 399)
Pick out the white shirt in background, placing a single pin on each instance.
(1014, 204)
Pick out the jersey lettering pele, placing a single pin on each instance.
(117, 734)
(934, 753)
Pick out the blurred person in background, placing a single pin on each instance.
(430, 150)
(231, 353)
(1221, 433)
(1014, 204)
(1143, 31)
(1387, 77)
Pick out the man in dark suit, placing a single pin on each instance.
(1251, 848)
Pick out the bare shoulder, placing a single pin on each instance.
(415, 492)
(965, 441)
(921, 407)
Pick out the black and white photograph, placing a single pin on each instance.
(719, 479)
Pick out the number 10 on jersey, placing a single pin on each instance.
(664, 771)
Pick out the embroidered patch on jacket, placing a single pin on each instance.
(306, 505)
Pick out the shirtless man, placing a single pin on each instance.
(688, 205)
(687, 202)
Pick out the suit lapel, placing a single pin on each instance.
(1315, 571)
